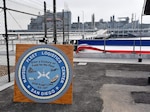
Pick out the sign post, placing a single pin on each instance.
(43, 73)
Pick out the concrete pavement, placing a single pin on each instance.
(117, 98)
(97, 87)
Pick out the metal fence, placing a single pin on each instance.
(4, 76)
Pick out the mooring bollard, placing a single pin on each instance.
(149, 80)
(140, 58)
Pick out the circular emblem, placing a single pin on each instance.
(43, 73)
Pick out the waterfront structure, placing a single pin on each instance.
(113, 24)
(122, 26)
(37, 24)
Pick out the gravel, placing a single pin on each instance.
(3, 70)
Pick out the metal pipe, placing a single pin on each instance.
(12, 45)
(133, 46)
(6, 39)
(45, 23)
(19, 11)
(68, 27)
(140, 55)
(104, 45)
(63, 27)
(54, 19)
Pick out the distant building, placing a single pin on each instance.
(93, 22)
(112, 25)
(37, 24)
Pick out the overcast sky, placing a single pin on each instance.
(102, 9)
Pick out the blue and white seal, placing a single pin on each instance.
(43, 73)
